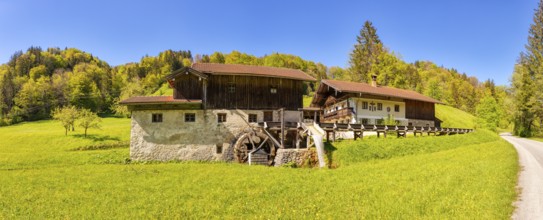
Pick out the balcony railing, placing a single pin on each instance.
(339, 114)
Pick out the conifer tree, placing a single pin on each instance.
(528, 78)
(365, 53)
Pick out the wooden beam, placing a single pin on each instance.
(204, 90)
(282, 115)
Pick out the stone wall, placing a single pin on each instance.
(417, 122)
(175, 139)
(285, 156)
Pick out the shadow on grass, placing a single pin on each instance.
(330, 148)
(97, 138)
(103, 146)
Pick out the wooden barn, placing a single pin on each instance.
(361, 103)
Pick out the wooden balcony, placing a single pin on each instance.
(346, 112)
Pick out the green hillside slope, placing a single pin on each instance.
(454, 118)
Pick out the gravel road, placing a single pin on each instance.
(530, 203)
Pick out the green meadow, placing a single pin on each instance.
(44, 174)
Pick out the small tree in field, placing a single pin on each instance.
(88, 119)
(67, 116)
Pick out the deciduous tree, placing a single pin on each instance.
(66, 116)
(88, 119)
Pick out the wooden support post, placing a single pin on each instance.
(321, 115)
(204, 90)
(298, 139)
(282, 115)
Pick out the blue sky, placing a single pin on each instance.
(479, 37)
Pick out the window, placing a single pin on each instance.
(156, 118)
(221, 117)
(365, 121)
(397, 108)
(218, 148)
(190, 117)
(364, 105)
(380, 106)
(252, 118)
(268, 116)
(273, 90)
(231, 88)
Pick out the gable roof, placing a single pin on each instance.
(364, 88)
(150, 100)
(263, 71)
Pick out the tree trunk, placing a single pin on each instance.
(85, 132)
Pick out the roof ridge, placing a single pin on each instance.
(350, 86)
(152, 96)
(240, 64)
(378, 86)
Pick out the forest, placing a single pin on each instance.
(35, 82)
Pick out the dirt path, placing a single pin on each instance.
(530, 203)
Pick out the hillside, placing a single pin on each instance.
(454, 118)
(35, 82)
(468, 176)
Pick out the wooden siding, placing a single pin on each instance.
(187, 86)
(252, 92)
(419, 110)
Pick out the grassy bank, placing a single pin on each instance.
(47, 175)
(348, 152)
(454, 118)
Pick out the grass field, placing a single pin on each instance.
(307, 100)
(43, 176)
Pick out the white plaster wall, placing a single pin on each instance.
(356, 103)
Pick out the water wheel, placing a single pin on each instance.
(256, 142)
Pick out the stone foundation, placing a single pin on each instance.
(205, 139)
(285, 156)
(424, 123)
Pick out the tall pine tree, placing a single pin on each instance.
(528, 78)
(365, 54)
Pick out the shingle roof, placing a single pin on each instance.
(148, 100)
(238, 69)
(354, 87)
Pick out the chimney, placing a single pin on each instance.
(374, 80)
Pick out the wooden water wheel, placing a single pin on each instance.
(256, 142)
